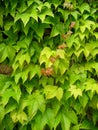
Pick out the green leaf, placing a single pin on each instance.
(59, 94)
(6, 51)
(87, 24)
(91, 85)
(45, 55)
(53, 91)
(72, 116)
(2, 113)
(4, 83)
(76, 127)
(17, 92)
(46, 51)
(63, 66)
(8, 123)
(8, 25)
(70, 41)
(22, 57)
(75, 14)
(38, 123)
(64, 13)
(24, 17)
(61, 53)
(28, 72)
(34, 13)
(73, 77)
(56, 105)
(57, 29)
(19, 116)
(96, 34)
(50, 91)
(44, 12)
(17, 77)
(50, 117)
(95, 116)
(75, 91)
(56, 3)
(10, 107)
(34, 103)
(39, 29)
(65, 122)
(84, 100)
(7, 95)
(56, 66)
(84, 7)
(1, 17)
(57, 120)
(86, 124)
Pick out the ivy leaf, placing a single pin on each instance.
(1, 17)
(65, 122)
(75, 91)
(72, 116)
(6, 51)
(35, 102)
(43, 5)
(70, 41)
(57, 29)
(91, 84)
(7, 95)
(45, 55)
(46, 51)
(96, 34)
(44, 12)
(73, 77)
(2, 113)
(39, 29)
(34, 13)
(53, 91)
(8, 123)
(76, 127)
(12, 105)
(63, 65)
(75, 14)
(28, 72)
(50, 117)
(19, 116)
(38, 123)
(40, 101)
(61, 53)
(95, 116)
(59, 94)
(50, 91)
(84, 100)
(8, 25)
(56, 66)
(57, 120)
(84, 7)
(64, 13)
(56, 3)
(24, 17)
(17, 92)
(35, 70)
(86, 124)
(87, 25)
(22, 57)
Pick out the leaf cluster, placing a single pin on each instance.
(48, 64)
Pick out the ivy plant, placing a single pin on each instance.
(49, 65)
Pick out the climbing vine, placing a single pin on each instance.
(48, 65)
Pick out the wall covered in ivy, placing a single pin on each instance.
(48, 64)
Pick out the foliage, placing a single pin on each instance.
(49, 64)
